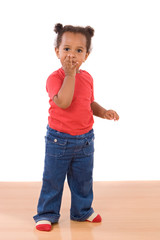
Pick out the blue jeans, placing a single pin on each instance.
(71, 156)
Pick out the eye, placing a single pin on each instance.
(66, 49)
(79, 50)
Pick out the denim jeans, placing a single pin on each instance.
(71, 156)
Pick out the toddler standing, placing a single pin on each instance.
(70, 137)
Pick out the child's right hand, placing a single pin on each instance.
(69, 66)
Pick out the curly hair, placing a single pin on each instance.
(88, 32)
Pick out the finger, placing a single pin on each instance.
(66, 59)
(69, 59)
(75, 64)
(112, 115)
(116, 118)
(67, 56)
(108, 116)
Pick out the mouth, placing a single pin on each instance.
(74, 62)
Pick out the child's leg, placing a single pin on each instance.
(56, 166)
(80, 182)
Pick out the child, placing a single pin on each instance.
(70, 137)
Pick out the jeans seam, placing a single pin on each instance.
(83, 218)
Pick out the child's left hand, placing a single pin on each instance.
(111, 115)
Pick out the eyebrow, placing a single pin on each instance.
(77, 47)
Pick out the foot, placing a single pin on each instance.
(43, 225)
(95, 218)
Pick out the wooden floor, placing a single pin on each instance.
(130, 210)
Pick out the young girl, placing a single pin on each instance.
(70, 137)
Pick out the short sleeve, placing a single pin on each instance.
(92, 94)
(53, 85)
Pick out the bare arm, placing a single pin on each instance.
(101, 112)
(65, 95)
(98, 110)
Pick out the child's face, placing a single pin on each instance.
(73, 44)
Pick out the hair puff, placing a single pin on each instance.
(90, 30)
(58, 28)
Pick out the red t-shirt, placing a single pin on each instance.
(77, 119)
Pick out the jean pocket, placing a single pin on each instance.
(88, 148)
(55, 147)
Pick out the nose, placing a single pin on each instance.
(72, 55)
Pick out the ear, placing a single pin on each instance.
(57, 52)
(86, 56)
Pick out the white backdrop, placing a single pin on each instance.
(125, 65)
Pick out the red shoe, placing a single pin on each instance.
(43, 225)
(95, 218)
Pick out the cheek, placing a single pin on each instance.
(62, 57)
(81, 59)
(62, 54)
